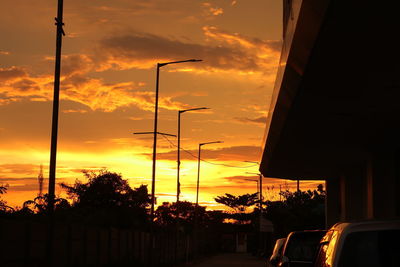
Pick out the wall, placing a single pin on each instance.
(23, 243)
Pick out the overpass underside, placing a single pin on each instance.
(336, 105)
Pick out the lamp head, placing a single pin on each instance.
(192, 109)
(215, 142)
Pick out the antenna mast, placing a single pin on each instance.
(40, 181)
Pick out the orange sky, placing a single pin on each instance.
(107, 91)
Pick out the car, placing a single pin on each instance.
(277, 252)
(301, 248)
(364, 243)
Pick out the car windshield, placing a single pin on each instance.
(372, 248)
(302, 246)
(278, 247)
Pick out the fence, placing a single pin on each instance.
(25, 243)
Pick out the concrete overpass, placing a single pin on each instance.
(335, 112)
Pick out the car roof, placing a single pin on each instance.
(306, 232)
(368, 225)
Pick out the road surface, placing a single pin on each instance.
(231, 259)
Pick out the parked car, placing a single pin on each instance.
(277, 252)
(361, 244)
(300, 249)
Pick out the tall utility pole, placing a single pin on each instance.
(260, 187)
(198, 169)
(260, 176)
(54, 132)
(56, 99)
(153, 178)
(178, 185)
(40, 181)
(196, 215)
(152, 191)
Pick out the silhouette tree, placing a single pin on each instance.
(108, 199)
(3, 204)
(106, 189)
(298, 210)
(40, 204)
(184, 212)
(238, 203)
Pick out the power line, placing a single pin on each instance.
(206, 161)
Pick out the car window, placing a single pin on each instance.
(303, 246)
(325, 254)
(278, 248)
(372, 248)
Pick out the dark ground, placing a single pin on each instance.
(230, 259)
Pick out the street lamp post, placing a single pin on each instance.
(152, 191)
(197, 193)
(56, 97)
(153, 177)
(261, 239)
(260, 179)
(260, 187)
(178, 185)
(198, 169)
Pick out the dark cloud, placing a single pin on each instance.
(236, 153)
(22, 184)
(144, 48)
(13, 179)
(18, 169)
(260, 120)
(233, 187)
(11, 73)
(76, 64)
(26, 85)
(242, 179)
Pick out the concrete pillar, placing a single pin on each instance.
(383, 185)
(332, 204)
(397, 182)
(370, 190)
(355, 193)
(342, 198)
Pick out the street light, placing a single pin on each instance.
(56, 99)
(153, 177)
(260, 187)
(198, 169)
(178, 185)
(260, 177)
(152, 192)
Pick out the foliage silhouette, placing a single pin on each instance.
(184, 213)
(3, 204)
(107, 199)
(239, 203)
(298, 210)
(40, 204)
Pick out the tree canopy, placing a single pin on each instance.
(184, 213)
(106, 189)
(298, 210)
(40, 204)
(3, 204)
(107, 198)
(238, 203)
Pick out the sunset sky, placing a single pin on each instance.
(109, 61)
